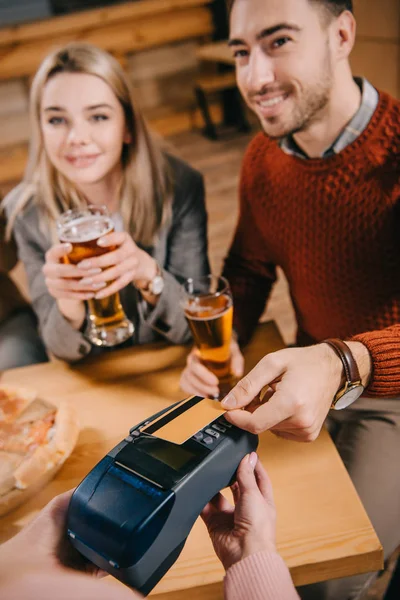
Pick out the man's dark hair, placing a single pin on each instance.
(335, 7)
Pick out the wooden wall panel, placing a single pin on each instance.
(379, 63)
(377, 51)
(378, 18)
(162, 76)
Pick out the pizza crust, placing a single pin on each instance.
(66, 429)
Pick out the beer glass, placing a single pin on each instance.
(107, 323)
(208, 308)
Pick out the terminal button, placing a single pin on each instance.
(213, 433)
(208, 440)
(225, 423)
(198, 436)
(219, 428)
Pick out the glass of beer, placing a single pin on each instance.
(107, 323)
(208, 309)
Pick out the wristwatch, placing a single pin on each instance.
(155, 286)
(352, 388)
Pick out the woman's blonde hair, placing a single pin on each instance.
(146, 186)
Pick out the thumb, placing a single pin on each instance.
(250, 386)
(245, 476)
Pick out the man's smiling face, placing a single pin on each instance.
(283, 62)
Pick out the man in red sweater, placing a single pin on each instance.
(320, 197)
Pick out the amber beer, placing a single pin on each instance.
(210, 316)
(108, 324)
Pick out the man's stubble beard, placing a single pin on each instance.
(309, 108)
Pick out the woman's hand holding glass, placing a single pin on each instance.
(248, 527)
(97, 277)
(125, 263)
(63, 282)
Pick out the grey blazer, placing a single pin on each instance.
(181, 250)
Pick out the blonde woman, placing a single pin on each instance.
(91, 146)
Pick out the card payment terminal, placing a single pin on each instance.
(132, 513)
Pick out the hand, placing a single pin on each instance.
(249, 527)
(121, 266)
(40, 562)
(43, 544)
(63, 281)
(302, 383)
(196, 379)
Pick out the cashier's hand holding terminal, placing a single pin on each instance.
(40, 562)
(44, 544)
(248, 527)
(300, 385)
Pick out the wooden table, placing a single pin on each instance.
(323, 530)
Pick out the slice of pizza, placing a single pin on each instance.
(33, 446)
(13, 401)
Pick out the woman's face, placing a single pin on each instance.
(83, 127)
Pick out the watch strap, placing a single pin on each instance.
(349, 363)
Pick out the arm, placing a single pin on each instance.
(261, 576)
(182, 253)
(58, 333)
(186, 254)
(302, 382)
(378, 357)
(243, 537)
(250, 271)
(251, 276)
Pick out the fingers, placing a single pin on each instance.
(266, 416)
(196, 388)
(125, 247)
(267, 370)
(116, 238)
(245, 474)
(200, 371)
(235, 489)
(57, 252)
(221, 504)
(237, 360)
(264, 483)
(104, 260)
(64, 280)
(216, 505)
(126, 267)
(115, 287)
(59, 270)
(197, 379)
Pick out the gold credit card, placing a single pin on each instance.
(186, 424)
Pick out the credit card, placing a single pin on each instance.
(189, 422)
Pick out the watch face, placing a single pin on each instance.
(157, 285)
(351, 395)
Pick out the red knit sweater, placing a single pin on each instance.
(333, 226)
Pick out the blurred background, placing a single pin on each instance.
(159, 43)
